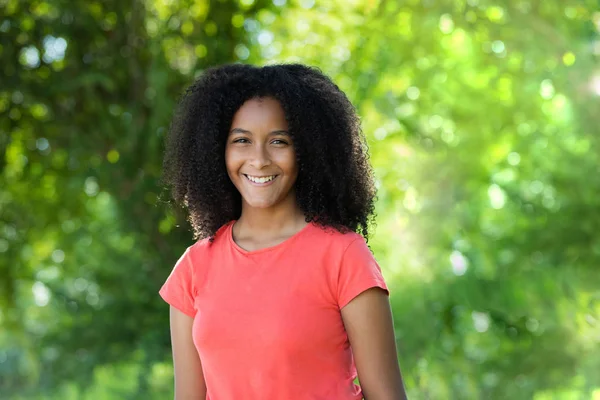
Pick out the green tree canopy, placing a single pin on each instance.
(483, 124)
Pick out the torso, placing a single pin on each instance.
(268, 324)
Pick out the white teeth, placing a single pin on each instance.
(262, 179)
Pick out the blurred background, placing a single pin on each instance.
(483, 120)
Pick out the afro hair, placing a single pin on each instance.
(335, 186)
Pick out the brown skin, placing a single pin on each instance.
(189, 379)
(259, 145)
(368, 322)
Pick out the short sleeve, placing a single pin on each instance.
(178, 289)
(358, 272)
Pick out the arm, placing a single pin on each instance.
(368, 322)
(189, 379)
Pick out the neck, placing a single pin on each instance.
(285, 216)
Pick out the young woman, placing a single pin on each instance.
(280, 297)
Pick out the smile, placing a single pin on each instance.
(261, 180)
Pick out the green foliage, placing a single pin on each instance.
(484, 132)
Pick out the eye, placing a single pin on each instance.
(241, 140)
(279, 142)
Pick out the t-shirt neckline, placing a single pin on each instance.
(285, 243)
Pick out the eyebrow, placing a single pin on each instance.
(276, 132)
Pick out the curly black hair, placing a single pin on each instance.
(335, 186)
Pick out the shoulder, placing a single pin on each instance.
(201, 256)
(346, 262)
(206, 247)
(333, 242)
(342, 238)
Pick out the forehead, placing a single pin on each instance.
(264, 112)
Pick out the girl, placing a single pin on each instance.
(280, 297)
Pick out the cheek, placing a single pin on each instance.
(294, 166)
(288, 163)
(231, 167)
(230, 159)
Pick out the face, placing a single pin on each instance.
(260, 156)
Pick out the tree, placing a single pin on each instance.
(481, 118)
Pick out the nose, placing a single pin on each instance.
(260, 157)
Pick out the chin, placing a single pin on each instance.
(261, 204)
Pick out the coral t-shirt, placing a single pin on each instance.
(267, 323)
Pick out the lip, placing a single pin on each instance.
(260, 184)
